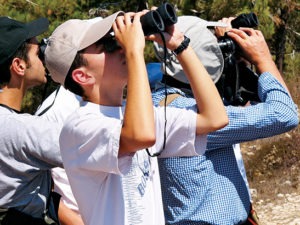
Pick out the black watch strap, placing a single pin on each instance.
(184, 44)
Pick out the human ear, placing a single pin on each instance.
(18, 66)
(82, 77)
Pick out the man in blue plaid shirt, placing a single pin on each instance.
(209, 189)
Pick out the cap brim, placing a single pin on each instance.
(37, 27)
(102, 27)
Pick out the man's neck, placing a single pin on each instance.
(105, 97)
(11, 97)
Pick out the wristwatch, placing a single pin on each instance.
(184, 44)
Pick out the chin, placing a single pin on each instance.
(44, 80)
(41, 82)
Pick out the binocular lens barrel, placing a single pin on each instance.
(227, 45)
(156, 20)
(152, 23)
(168, 14)
(245, 20)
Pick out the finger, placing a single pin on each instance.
(230, 19)
(249, 31)
(151, 37)
(128, 18)
(241, 33)
(259, 33)
(223, 20)
(119, 22)
(237, 35)
(115, 28)
(138, 15)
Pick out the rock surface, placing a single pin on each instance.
(284, 211)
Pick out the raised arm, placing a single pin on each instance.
(212, 114)
(211, 111)
(138, 130)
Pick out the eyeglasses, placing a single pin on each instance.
(109, 44)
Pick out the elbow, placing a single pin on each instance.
(138, 141)
(225, 122)
(143, 142)
(147, 140)
(220, 123)
(290, 121)
(295, 119)
(206, 125)
(294, 122)
(287, 117)
(217, 124)
(219, 119)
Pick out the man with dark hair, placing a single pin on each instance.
(29, 144)
(106, 145)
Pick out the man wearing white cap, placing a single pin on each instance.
(209, 189)
(56, 108)
(112, 176)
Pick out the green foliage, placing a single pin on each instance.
(269, 13)
(229, 8)
(266, 24)
(292, 67)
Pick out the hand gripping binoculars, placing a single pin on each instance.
(156, 21)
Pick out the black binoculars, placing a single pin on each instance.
(243, 20)
(156, 21)
(238, 83)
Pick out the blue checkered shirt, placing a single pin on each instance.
(209, 189)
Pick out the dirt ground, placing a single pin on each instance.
(273, 170)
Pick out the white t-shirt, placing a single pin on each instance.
(121, 190)
(56, 108)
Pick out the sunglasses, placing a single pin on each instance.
(109, 44)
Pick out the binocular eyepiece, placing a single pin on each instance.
(156, 21)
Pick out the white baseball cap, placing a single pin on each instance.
(69, 38)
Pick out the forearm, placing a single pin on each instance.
(138, 129)
(138, 125)
(212, 114)
(276, 114)
(270, 66)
